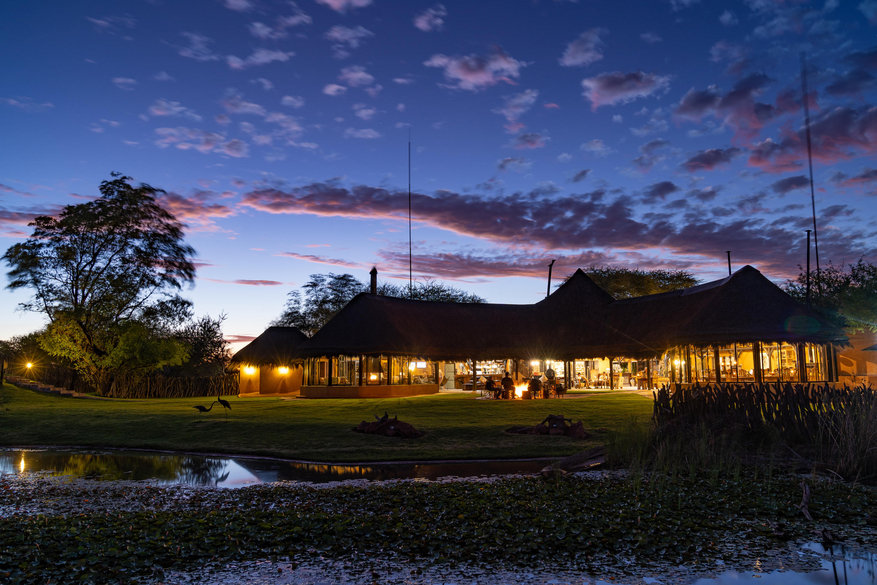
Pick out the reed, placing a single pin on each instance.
(724, 426)
(151, 386)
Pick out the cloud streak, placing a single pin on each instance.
(608, 89)
(477, 72)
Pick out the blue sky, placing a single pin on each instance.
(648, 134)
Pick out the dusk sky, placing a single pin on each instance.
(651, 134)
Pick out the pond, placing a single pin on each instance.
(230, 472)
(838, 566)
(812, 564)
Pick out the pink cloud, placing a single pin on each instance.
(260, 56)
(739, 108)
(199, 211)
(356, 76)
(321, 259)
(477, 72)
(590, 220)
(258, 282)
(200, 140)
(431, 19)
(27, 104)
(586, 49)
(838, 134)
(487, 264)
(346, 38)
(515, 106)
(163, 107)
(343, 6)
(530, 140)
(707, 160)
(609, 89)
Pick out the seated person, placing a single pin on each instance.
(508, 386)
(491, 388)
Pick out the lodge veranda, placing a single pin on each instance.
(742, 328)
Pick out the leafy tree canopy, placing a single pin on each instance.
(326, 294)
(105, 273)
(846, 293)
(626, 283)
(208, 351)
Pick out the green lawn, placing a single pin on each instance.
(456, 425)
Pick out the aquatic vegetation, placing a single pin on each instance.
(585, 522)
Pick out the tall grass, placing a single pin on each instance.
(151, 386)
(721, 428)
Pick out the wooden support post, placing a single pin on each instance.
(756, 362)
(717, 363)
(360, 370)
(649, 374)
(802, 363)
(611, 374)
(329, 371)
(474, 377)
(688, 363)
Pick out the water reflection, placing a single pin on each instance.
(231, 472)
(848, 569)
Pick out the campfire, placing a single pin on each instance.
(519, 391)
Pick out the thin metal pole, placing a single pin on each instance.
(549, 277)
(729, 262)
(808, 268)
(810, 159)
(410, 270)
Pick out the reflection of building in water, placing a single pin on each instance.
(742, 328)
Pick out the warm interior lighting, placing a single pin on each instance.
(676, 362)
(411, 366)
(29, 365)
(283, 371)
(421, 364)
(373, 377)
(249, 370)
(534, 363)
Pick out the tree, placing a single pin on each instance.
(326, 294)
(105, 273)
(846, 294)
(624, 283)
(208, 350)
(429, 289)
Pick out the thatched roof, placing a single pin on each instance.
(579, 320)
(277, 345)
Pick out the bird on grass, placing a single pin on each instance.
(224, 404)
(202, 409)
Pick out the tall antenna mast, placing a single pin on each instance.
(410, 270)
(810, 161)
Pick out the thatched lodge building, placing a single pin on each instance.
(740, 328)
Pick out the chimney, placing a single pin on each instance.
(374, 282)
